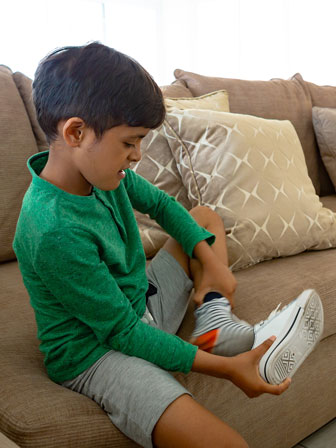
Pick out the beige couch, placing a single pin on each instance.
(35, 412)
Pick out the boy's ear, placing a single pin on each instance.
(73, 130)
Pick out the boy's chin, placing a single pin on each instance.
(109, 187)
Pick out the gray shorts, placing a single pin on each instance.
(133, 392)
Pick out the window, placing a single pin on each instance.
(249, 39)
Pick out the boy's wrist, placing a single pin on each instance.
(213, 365)
(203, 252)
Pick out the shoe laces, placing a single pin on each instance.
(271, 315)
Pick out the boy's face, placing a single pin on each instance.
(102, 162)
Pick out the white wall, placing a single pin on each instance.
(249, 39)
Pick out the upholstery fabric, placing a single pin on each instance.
(276, 99)
(252, 171)
(24, 86)
(17, 143)
(176, 90)
(324, 120)
(159, 167)
(321, 96)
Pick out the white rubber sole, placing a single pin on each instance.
(296, 341)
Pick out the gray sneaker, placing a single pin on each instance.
(298, 328)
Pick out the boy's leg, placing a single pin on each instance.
(168, 306)
(146, 402)
(220, 332)
(217, 330)
(211, 221)
(200, 429)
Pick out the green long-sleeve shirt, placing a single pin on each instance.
(83, 265)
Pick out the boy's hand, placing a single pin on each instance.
(244, 372)
(217, 277)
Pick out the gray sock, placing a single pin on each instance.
(220, 332)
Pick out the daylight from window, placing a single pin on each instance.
(248, 39)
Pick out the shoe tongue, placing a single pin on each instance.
(273, 325)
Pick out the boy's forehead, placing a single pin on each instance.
(133, 132)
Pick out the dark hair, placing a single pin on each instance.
(99, 84)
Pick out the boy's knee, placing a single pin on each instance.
(204, 215)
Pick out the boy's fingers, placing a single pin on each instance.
(262, 348)
(278, 389)
(275, 389)
(199, 296)
(230, 299)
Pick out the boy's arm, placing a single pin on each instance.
(78, 278)
(82, 283)
(171, 215)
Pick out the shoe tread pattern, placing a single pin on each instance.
(309, 334)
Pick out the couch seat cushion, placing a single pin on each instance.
(37, 413)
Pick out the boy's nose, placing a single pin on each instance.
(136, 153)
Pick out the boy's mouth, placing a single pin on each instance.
(121, 173)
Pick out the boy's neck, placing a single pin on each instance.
(60, 171)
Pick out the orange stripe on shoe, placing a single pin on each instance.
(207, 341)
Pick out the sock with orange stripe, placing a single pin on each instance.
(218, 331)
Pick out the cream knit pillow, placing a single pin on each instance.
(218, 100)
(252, 171)
(159, 167)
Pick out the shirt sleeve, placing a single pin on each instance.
(84, 285)
(170, 214)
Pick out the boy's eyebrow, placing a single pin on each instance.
(135, 136)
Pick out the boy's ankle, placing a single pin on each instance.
(218, 331)
(207, 298)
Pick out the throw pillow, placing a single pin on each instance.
(159, 167)
(252, 171)
(277, 99)
(218, 100)
(324, 121)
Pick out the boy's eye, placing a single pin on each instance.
(128, 145)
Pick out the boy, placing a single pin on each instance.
(107, 327)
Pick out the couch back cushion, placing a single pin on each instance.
(24, 85)
(178, 89)
(276, 99)
(322, 96)
(17, 144)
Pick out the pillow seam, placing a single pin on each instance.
(200, 201)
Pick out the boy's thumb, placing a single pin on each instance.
(199, 296)
(262, 348)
